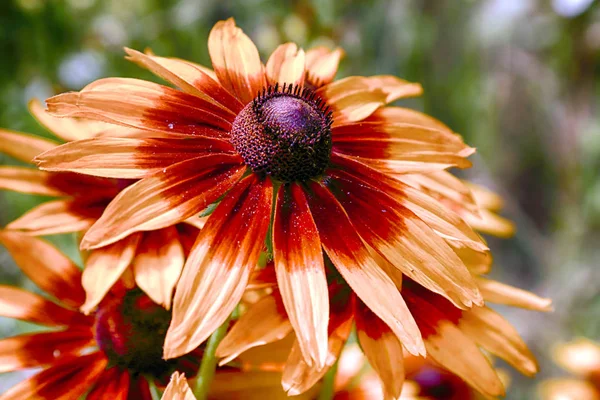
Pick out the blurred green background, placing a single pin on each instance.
(518, 78)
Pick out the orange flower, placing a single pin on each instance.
(156, 258)
(111, 354)
(581, 358)
(451, 336)
(291, 156)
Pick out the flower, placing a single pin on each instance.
(156, 258)
(293, 163)
(581, 358)
(113, 353)
(452, 336)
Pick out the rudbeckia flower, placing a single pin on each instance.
(113, 353)
(294, 163)
(452, 336)
(156, 258)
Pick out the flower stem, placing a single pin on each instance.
(209, 362)
(328, 389)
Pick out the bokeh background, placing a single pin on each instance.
(518, 78)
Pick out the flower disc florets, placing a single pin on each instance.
(285, 133)
(131, 331)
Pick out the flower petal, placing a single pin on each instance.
(58, 216)
(178, 389)
(144, 105)
(492, 332)
(500, 293)
(214, 277)
(322, 65)
(45, 265)
(264, 322)
(400, 115)
(298, 377)
(38, 349)
(127, 158)
(75, 128)
(187, 76)
(403, 239)
(22, 146)
(382, 348)
(443, 221)
(301, 272)
(286, 65)
(20, 304)
(401, 145)
(27, 180)
(236, 61)
(69, 379)
(568, 389)
(104, 267)
(164, 199)
(158, 264)
(351, 258)
(491, 223)
(446, 344)
(113, 384)
(356, 97)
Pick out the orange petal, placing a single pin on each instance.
(382, 348)
(400, 115)
(251, 385)
(39, 349)
(189, 77)
(404, 240)
(236, 60)
(45, 265)
(20, 304)
(298, 377)
(500, 293)
(356, 97)
(27, 180)
(104, 267)
(448, 345)
(286, 65)
(264, 322)
(491, 223)
(181, 191)
(58, 216)
(580, 357)
(144, 105)
(461, 356)
(113, 384)
(444, 186)
(158, 264)
(322, 65)
(23, 147)
(492, 332)
(401, 148)
(127, 158)
(349, 255)
(178, 389)
(74, 128)
(301, 272)
(214, 277)
(69, 379)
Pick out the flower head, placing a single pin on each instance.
(313, 172)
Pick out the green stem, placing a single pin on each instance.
(209, 362)
(328, 389)
(154, 392)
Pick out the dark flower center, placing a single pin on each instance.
(285, 133)
(131, 331)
